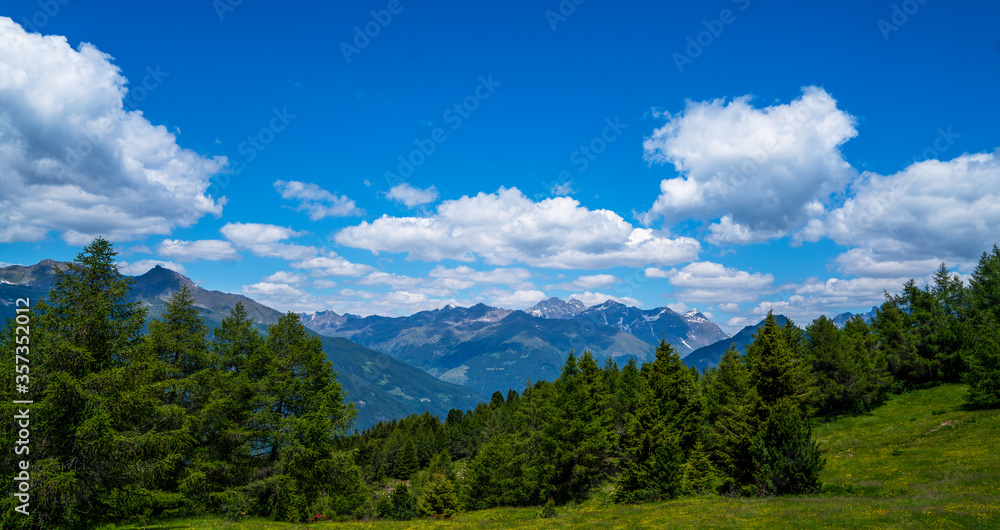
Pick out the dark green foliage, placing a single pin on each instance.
(733, 409)
(399, 505)
(843, 377)
(773, 363)
(652, 473)
(407, 463)
(983, 376)
(787, 460)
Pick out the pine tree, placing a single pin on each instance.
(699, 474)
(983, 376)
(103, 439)
(733, 411)
(407, 463)
(773, 370)
(787, 460)
(439, 497)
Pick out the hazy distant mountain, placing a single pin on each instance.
(382, 387)
(484, 348)
(841, 319)
(686, 332)
(556, 308)
(708, 356)
(488, 349)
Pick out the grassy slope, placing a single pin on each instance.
(919, 461)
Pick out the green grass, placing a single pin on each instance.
(920, 461)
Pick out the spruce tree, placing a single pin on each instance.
(774, 369)
(733, 411)
(787, 460)
(983, 376)
(439, 497)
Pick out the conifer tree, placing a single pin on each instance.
(983, 376)
(439, 497)
(733, 411)
(407, 463)
(787, 460)
(104, 441)
(773, 369)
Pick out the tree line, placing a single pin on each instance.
(168, 419)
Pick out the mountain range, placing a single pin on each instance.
(488, 349)
(381, 387)
(708, 356)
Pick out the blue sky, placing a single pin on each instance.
(731, 156)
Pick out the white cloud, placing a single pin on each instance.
(285, 277)
(863, 262)
(519, 299)
(332, 265)
(705, 281)
(591, 299)
(767, 170)
(932, 211)
(729, 308)
(561, 189)
(833, 296)
(714, 275)
(679, 307)
(463, 277)
(202, 250)
(507, 227)
(316, 201)
(324, 284)
(410, 196)
(265, 240)
(273, 290)
(737, 322)
(595, 281)
(75, 158)
(143, 266)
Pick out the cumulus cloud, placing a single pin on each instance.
(77, 160)
(507, 227)
(332, 265)
(463, 277)
(316, 201)
(143, 266)
(591, 299)
(202, 250)
(765, 171)
(285, 277)
(273, 290)
(265, 240)
(519, 299)
(931, 211)
(832, 296)
(705, 281)
(864, 262)
(411, 196)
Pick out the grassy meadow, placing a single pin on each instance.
(922, 460)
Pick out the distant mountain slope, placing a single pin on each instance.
(708, 356)
(383, 387)
(685, 332)
(841, 319)
(481, 347)
(556, 308)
